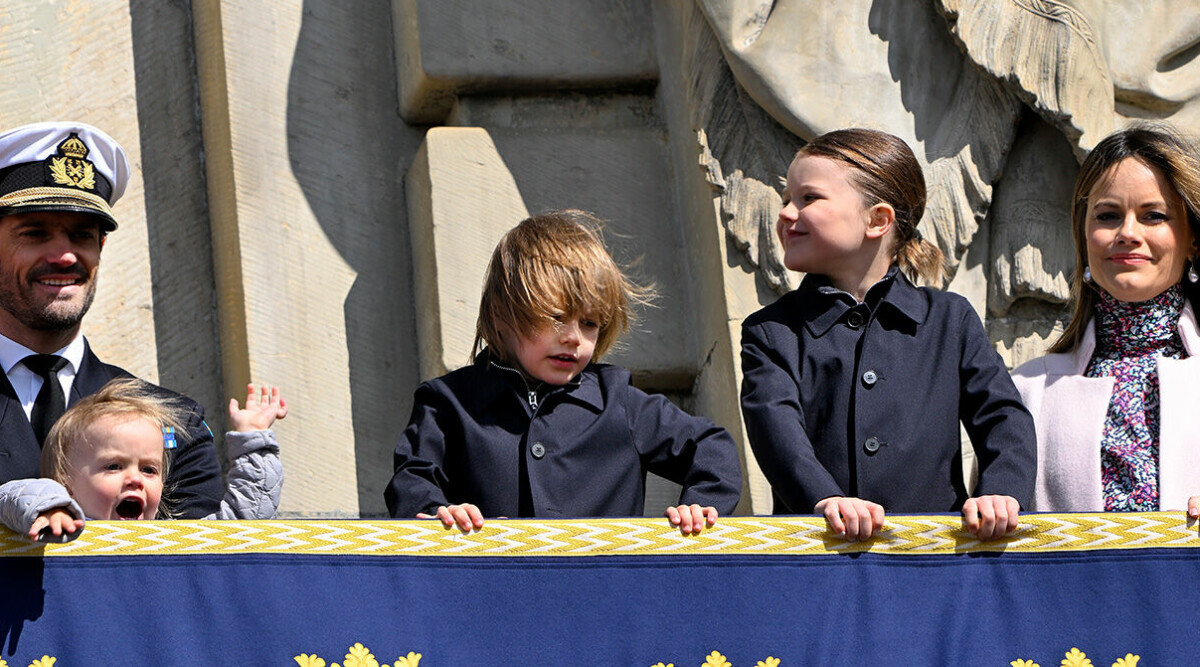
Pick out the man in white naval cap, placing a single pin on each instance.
(58, 182)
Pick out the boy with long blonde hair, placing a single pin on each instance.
(534, 427)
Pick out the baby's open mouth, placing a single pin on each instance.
(130, 508)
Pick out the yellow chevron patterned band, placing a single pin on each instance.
(764, 536)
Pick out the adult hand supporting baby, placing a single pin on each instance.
(991, 517)
(852, 518)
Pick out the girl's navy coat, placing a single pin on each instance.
(864, 399)
(583, 451)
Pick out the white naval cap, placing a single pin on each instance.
(61, 166)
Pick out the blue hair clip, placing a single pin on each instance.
(169, 437)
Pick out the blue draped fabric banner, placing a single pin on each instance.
(1078, 589)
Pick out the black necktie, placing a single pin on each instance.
(50, 403)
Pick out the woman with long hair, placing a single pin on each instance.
(1115, 399)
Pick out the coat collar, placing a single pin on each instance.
(1076, 361)
(499, 381)
(12, 352)
(821, 305)
(92, 375)
(1188, 330)
(17, 442)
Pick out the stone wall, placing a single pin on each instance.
(318, 185)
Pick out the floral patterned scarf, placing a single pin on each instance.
(1129, 339)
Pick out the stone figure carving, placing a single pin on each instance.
(817, 67)
(1089, 65)
(996, 98)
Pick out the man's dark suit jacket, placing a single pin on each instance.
(194, 482)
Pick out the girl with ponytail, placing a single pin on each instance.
(855, 383)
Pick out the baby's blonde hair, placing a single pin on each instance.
(128, 398)
(550, 266)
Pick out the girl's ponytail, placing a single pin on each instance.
(920, 259)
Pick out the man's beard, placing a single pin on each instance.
(52, 316)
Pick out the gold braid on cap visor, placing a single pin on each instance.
(53, 196)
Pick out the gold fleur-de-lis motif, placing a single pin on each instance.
(359, 656)
(715, 659)
(410, 660)
(44, 661)
(1076, 658)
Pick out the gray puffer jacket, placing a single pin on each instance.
(22, 500)
(254, 483)
(255, 477)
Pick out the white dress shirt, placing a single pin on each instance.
(25, 382)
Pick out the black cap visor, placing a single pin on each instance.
(105, 218)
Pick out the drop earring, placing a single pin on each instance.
(1087, 274)
(1193, 277)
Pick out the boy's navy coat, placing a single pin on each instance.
(583, 452)
(194, 481)
(864, 400)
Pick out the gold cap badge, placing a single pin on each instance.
(70, 167)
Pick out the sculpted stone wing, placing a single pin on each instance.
(815, 66)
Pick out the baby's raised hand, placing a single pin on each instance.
(263, 407)
(57, 523)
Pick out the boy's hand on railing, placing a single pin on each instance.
(990, 517)
(466, 516)
(852, 518)
(691, 519)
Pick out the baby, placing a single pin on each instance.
(107, 457)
